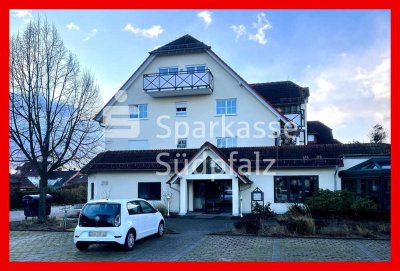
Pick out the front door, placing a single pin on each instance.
(212, 196)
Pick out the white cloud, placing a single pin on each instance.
(151, 33)
(351, 99)
(206, 16)
(262, 25)
(72, 26)
(239, 30)
(90, 35)
(23, 14)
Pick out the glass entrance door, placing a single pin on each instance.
(212, 196)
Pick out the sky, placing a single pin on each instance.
(343, 56)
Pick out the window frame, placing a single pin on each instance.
(223, 104)
(138, 106)
(180, 145)
(168, 70)
(195, 68)
(231, 140)
(308, 138)
(288, 180)
(149, 194)
(181, 105)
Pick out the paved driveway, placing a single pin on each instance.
(194, 244)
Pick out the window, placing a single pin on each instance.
(146, 208)
(149, 191)
(294, 189)
(133, 208)
(182, 143)
(138, 145)
(191, 69)
(226, 107)
(196, 68)
(226, 142)
(311, 138)
(168, 70)
(209, 166)
(91, 190)
(138, 111)
(181, 109)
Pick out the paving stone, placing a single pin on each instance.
(194, 244)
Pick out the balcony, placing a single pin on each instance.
(182, 83)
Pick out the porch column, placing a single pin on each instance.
(183, 197)
(235, 196)
(190, 196)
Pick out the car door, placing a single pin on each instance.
(137, 218)
(149, 216)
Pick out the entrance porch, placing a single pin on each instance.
(216, 195)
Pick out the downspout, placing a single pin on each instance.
(177, 190)
(335, 178)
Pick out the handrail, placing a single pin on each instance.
(179, 80)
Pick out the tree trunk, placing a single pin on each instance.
(42, 200)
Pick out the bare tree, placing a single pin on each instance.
(52, 104)
(377, 134)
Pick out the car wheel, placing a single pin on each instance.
(82, 246)
(161, 229)
(129, 240)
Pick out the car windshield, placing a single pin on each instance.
(99, 214)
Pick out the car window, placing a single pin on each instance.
(133, 208)
(146, 208)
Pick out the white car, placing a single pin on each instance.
(120, 221)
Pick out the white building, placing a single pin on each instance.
(228, 143)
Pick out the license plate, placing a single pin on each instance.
(97, 233)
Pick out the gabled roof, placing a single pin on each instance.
(184, 44)
(322, 132)
(283, 92)
(20, 182)
(208, 146)
(302, 156)
(188, 44)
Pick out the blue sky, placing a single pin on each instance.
(343, 56)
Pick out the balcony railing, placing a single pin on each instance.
(180, 83)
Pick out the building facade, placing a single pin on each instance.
(188, 131)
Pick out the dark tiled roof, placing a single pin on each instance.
(18, 182)
(184, 44)
(322, 132)
(284, 92)
(326, 155)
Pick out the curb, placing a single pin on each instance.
(301, 237)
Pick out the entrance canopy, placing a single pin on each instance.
(211, 163)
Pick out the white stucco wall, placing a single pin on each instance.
(120, 185)
(125, 184)
(199, 108)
